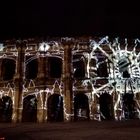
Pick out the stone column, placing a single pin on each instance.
(42, 74)
(67, 81)
(41, 67)
(40, 108)
(17, 109)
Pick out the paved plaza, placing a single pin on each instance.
(91, 130)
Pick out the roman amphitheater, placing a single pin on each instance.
(69, 79)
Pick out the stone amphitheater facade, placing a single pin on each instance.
(69, 79)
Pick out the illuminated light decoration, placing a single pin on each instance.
(36, 92)
(26, 93)
(54, 46)
(12, 48)
(10, 92)
(88, 67)
(118, 109)
(30, 59)
(138, 108)
(87, 56)
(118, 54)
(123, 61)
(67, 39)
(3, 56)
(1, 47)
(86, 83)
(1, 93)
(48, 91)
(123, 64)
(9, 89)
(55, 85)
(31, 84)
(44, 47)
(74, 85)
(30, 46)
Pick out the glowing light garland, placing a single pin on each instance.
(114, 74)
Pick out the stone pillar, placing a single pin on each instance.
(67, 81)
(40, 108)
(17, 109)
(0, 69)
(41, 67)
(42, 74)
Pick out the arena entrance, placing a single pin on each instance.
(29, 113)
(129, 106)
(6, 108)
(55, 108)
(106, 106)
(81, 107)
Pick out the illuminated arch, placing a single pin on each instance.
(6, 109)
(29, 113)
(129, 106)
(55, 108)
(79, 66)
(106, 106)
(81, 107)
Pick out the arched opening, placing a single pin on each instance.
(29, 113)
(78, 66)
(55, 108)
(8, 69)
(81, 107)
(101, 65)
(129, 106)
(6, 108)
(106, 106)
(31, 68)
(93, 71)
(55, 67)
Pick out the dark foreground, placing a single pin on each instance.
(92, 130)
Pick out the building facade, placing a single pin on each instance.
(69, 79)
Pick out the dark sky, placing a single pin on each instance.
(37, 18)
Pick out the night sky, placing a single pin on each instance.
(56, 18)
